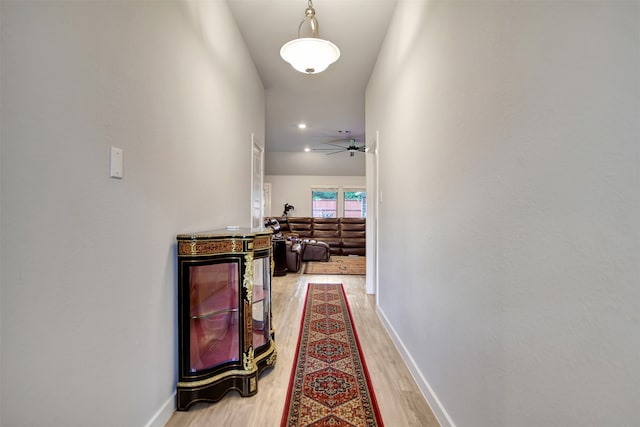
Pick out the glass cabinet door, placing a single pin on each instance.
(214, 315)
(261, 304)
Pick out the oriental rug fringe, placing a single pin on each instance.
(329, 384)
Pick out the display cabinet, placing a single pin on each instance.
(225, 334)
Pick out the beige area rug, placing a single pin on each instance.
(338, 265)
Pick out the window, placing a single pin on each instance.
(355, 203)
(324, 202)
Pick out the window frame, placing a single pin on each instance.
(363, 206)
(327, 189)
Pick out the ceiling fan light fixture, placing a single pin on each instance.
(310, 55)
(352, 148)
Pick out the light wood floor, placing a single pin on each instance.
(399, 399)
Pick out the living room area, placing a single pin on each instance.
(322, 219)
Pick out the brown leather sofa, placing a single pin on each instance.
(345, 236)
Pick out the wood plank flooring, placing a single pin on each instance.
(399, 399)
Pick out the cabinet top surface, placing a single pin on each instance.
(220, 233)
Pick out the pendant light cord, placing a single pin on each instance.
(310, 15)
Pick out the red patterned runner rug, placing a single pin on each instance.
(329, 384)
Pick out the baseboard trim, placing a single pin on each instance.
(160, 418)
(432, 400)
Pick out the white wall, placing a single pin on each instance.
(296, 190)
(509, 149)
(314, 163)
(88, 287)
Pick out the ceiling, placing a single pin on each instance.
(328, 102)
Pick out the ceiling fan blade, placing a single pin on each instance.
(347, 138)
(335, 152)
(336, 145)
(324, 149)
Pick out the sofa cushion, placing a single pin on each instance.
(303, 227)
(325, 223)
(334, 242)
(353, 243)
(317, 221)
(360, 234)
(347, 220)
(327, 226)
(322, 234)
(300, 220)
(348, 226)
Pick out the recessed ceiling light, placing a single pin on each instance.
(307, 149)
(302, 126)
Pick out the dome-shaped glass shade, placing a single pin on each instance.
(310, 55)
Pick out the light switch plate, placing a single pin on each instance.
(116, 165)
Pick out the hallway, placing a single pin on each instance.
(399, 399)
(506, 205)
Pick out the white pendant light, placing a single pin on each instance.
(310, 55)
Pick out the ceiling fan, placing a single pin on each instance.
(348, 145)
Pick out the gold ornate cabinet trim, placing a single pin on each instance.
(261, 242)
(242, 248)
(213, 379)
(248, 326)
(270, 355)
(205, 247)
(247, 280)
(208, 247)
(248, 361)
(271, 360)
